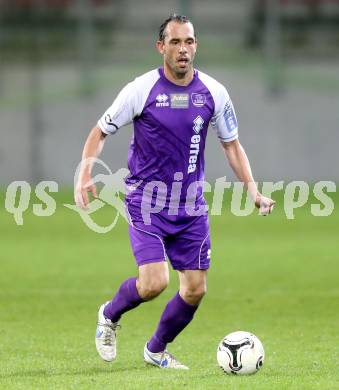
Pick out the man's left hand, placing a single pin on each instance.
(264, 204)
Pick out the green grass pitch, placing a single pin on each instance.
(275, 277)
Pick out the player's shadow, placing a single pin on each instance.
(59, 372)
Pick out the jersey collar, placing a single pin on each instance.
(168, 82)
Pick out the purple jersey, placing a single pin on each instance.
(170, 129)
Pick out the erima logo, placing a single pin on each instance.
(162, 100)
(197, 124)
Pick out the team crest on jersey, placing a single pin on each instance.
(197, 124)
(198, 99)
(162, 100)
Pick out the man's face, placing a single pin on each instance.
(178, 47)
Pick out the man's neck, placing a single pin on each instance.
(179, 79)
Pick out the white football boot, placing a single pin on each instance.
(162, 359)
(106, 338)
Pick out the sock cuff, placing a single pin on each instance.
(184, 305)
(155, 345)
(132, 291)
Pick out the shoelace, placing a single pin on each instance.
(109, 332)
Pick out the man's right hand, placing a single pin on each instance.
(84, 186)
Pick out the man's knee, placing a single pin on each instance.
(151, 288)
(153, 279)
(194, 294)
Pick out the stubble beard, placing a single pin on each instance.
(180, 73)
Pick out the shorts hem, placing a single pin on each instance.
(143, 262)
(192, 268)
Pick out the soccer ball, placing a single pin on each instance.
(240, 353)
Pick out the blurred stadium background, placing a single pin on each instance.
(63, 62)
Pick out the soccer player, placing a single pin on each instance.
(171, 108)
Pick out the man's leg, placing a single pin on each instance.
(152, 280)
(180, 310)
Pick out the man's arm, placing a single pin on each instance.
(238, 161)
(92, 149)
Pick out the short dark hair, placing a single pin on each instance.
(172, 18)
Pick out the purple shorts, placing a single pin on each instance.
(184, 240)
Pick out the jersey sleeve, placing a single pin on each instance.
(121, 112)
(129, 103)
(224, 120)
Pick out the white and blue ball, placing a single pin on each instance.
(240, 353)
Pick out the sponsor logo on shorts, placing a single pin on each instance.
(179, 100)
(198, 99)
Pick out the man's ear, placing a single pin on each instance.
(160, 47)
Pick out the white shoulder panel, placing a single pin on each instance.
(224, 120)
(129, 103)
